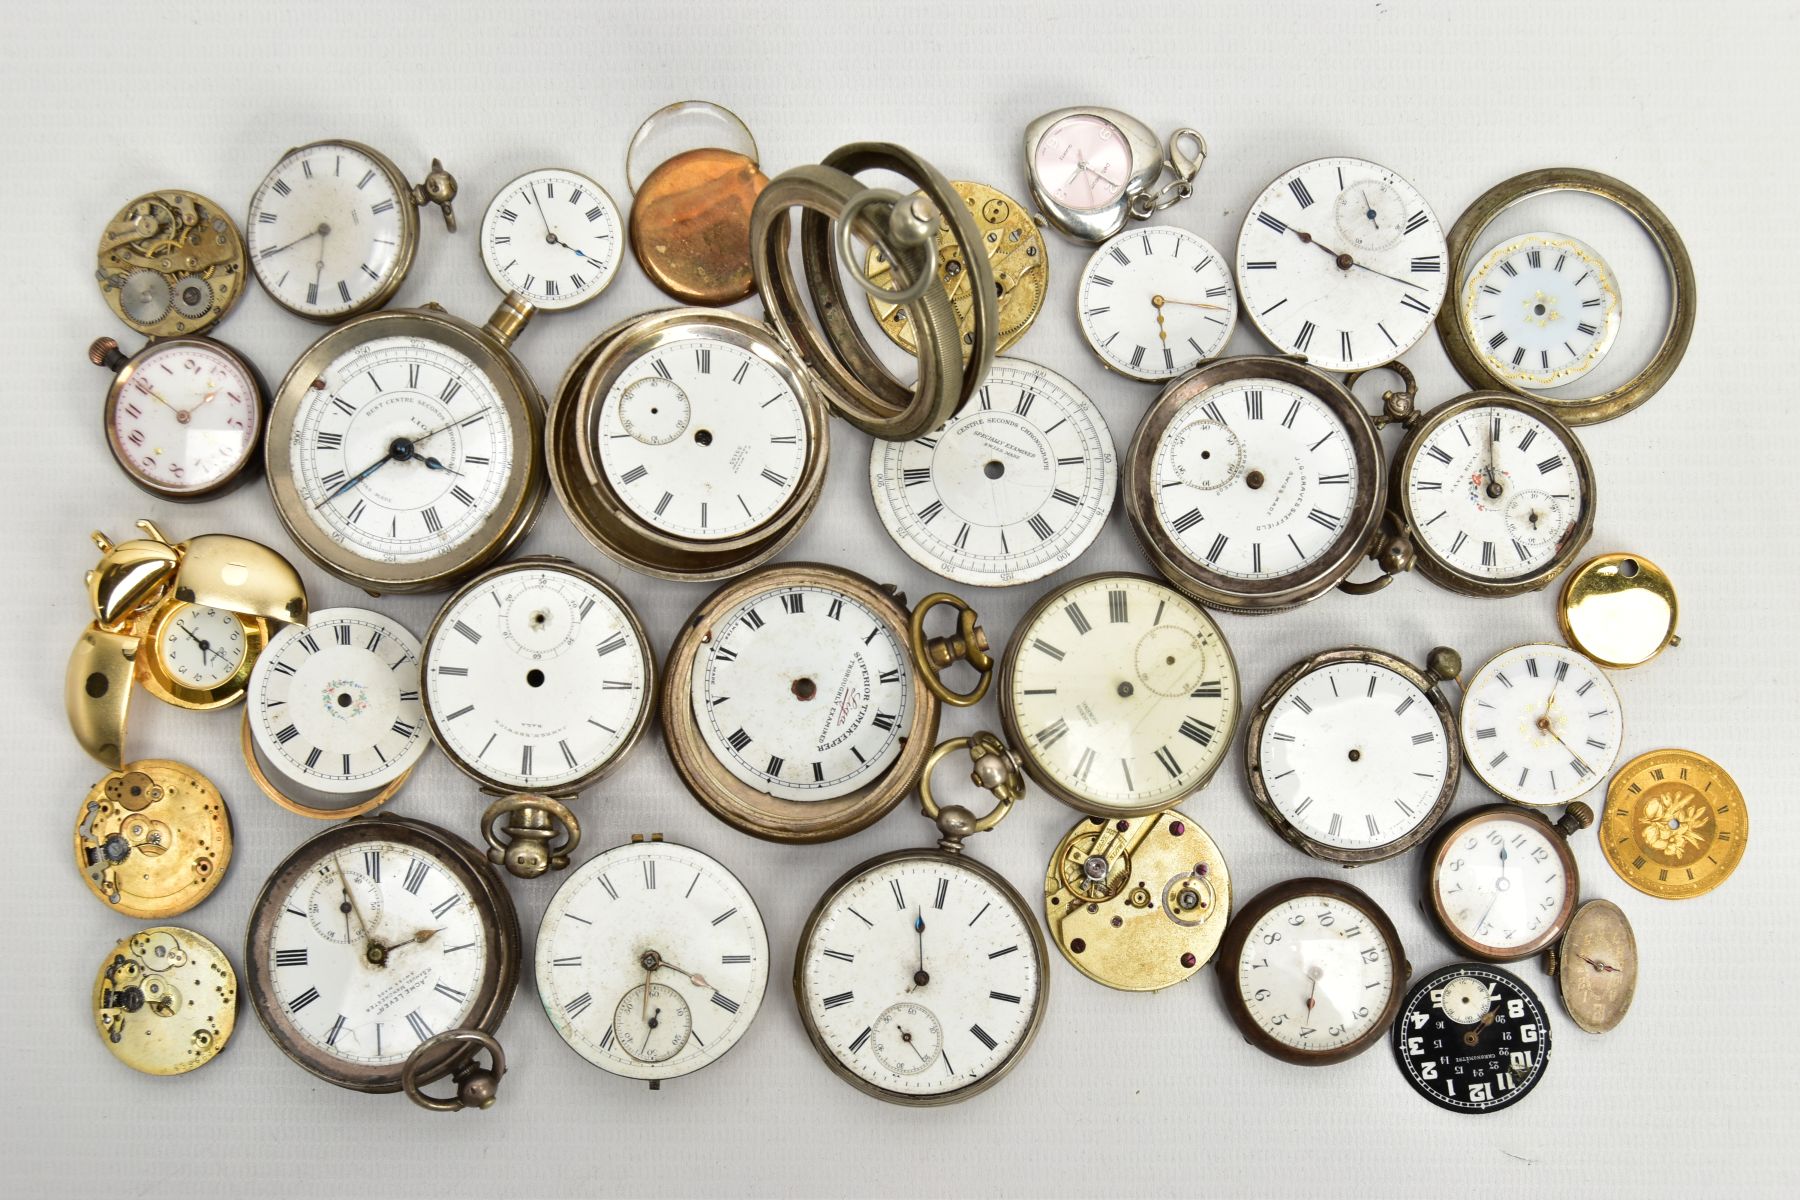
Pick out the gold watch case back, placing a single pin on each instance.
(690, 225)
(165, 1000)
(153, 840)
(1620, 610)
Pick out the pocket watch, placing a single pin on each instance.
(1675, 824)
(165, 1001)
(1011, 489)
(334, 725)
(1312, 972)
(1352, 754)
(171, 264)
(381, 955)
(1596, 966)
(652, 960)
(1526, 746)
(802, 699)
(921, 976)
(1254, 484)
(690, 212)
(538, 681)
(333, 228)
(1016, 257)
(183, 417)
(1503, 881)
(1121, 694)
(1092, 169)
(1137, 904)
(153, 839)
(1156, 302)
(1472, 1038)
(184, 619)
(1341, 262)
(550, 238)
(1537, 311)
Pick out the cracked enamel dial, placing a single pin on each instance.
(1120, 694)
(652, 960)
(537, 677)
(1011, 489)
(1472, 1038)
(327, 231)
(1544, 309)
(1155, 301)
(1503, 882)
(1541, 724)
(1342, 261)
(551, 237)
(184, 417)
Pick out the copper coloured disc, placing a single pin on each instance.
(690, 225)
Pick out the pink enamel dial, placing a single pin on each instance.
(1083, 162)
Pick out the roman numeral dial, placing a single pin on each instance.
(1155, 301)
(1541, 724)
(552, 238)
(1540, 310)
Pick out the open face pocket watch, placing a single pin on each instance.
(921, 976)
(186, 620)
(1154, 303)
(538, 679)
(1472, 1038)
(153, 840)
(1352, 754)
(1501, 880)
(1092, 169)
(171, 264)
(1541, 724)
(183, 417)
(801, 700)
(381, 955)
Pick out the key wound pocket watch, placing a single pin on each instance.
(335, 725)
(1675, 824)
(801, 700)
(1312, 971)
(334, 228)
(186, 620)
(1121, 693)
(1472, 1038)
(153, 840)
(1341, 261)
(652, 960)
(165, 1000)
(1352, 754)
(1093, 169)
(171, 264)
(1011, 489)
(183, 416)
(538, 680)
(1541, 725)
(551, 239)
(1502, 880)
(1255, 484)
(921, 975)
(1156, 302)
(381, 956)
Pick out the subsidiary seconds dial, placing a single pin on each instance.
(1472, 1038)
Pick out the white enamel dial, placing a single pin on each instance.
(202, 647)
(552, 237)
(536, 677)
(1316, 973)
(920, 976)
(1255, 479)
(1342, 261)
(1495, 491)
(1544, 309)
(325, 230)
(1156, 300)
(1541, 724)
(452, 474)
(1122, 692)
(804, 693)
(187, 416)
(1011, 489)
(430, 952)
(702, 438)
(1354, 755)
(652, 960)
(335, 704)
(1501, 882)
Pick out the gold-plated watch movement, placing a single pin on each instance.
(171, 264)
(165, 1000)
(153, 840)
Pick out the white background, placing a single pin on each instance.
(1122, 1094)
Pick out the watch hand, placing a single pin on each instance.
(350, 899)
(1369, 209)
(1604, 968)
(694, 978)
(435, 465)
(357, 478)
(1345, 261)
(539, 205)
(1101, 176)
(1499, 887)
(1493, 488)
(319, 232)
(920, 977)
(1159, 301)
(424, 935)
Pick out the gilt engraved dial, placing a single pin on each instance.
(202, 647)
(185, 417)
(325, 230)
(1544, 309)
(1541, 724)
(1316, 974)
(1156, 300)
(552, 237)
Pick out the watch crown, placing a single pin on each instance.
(101, 350)
(1443, 663)
(1576, 816)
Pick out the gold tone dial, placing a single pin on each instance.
(165, 1001)
(1675, 824)
(153, 840)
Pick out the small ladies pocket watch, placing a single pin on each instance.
(1472, 1038)
(1503, 881)
(921, 976)
(153, 839)
(1541, 724)
(184, 619)
(1092, 169)
(335, 724)
(165, 1001)
(381, 955)
(1255, 484)
(1352, 754)
(1137, 904)
(1675, 824)
(1312, 971)
(538, 681)
(1341, 262)
(652, 960)
(551, 237)
(171, 264)
(334, 228)
(1156, 302)
(1010, 490)
(183, 417)
(1122, 694)
(1596, 966)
